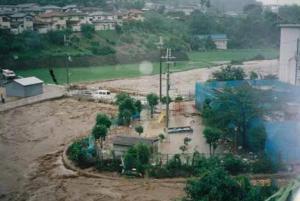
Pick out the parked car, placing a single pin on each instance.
(8, 74)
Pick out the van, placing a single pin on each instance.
(101, 94)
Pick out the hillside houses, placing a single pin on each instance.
(42, 19)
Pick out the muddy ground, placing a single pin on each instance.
(32, 139)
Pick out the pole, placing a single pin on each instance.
(68, 74)
(160, 46)
(66, 43)
(160, 75)
(167, 103)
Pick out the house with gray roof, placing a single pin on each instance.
(24, 87)
(220, 40)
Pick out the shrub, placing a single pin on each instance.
(264, 165)
(79, 154)
(174, 163)
(236, 62)
(88, 30)
(56, 37)
(111, 165)
(234, 165)
(258, 57)
(159, 172)
(102, 50)
(137, 157)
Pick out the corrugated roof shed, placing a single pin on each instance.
(28, 81)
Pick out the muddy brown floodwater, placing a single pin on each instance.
(33, 137)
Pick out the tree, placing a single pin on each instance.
(139, 129)
(103, 119)
(127, 108)
(216, 185)
(253, 75)
(212, 136)
(121, 97)
(152, 101)
(138, 105)
(234, 111)
(100, 132)
(210, 44)
(257, 138)
(229, 73)
(88, 30)
(137, 157)
(161, 137)
(164, 99)
(56, 37)
(125, 117)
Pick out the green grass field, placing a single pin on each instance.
(197, 60)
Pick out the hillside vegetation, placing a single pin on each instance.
(256, 28)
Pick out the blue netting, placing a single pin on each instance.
(283, 138)
(283, 141)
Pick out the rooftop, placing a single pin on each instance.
(214, 36)
(28, 81)
(19, 15)
(131, 141)
(289, 25)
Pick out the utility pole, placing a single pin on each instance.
(169, 59)
(66, 43)
(160, 45)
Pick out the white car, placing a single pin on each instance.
(102, 94)
(8, 74)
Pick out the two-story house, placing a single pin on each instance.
(21, 22)
(60, 20)
(74, 20)
(52, 20)
(103, 20)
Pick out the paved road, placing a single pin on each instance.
(50, 92)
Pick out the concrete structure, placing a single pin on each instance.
(290, 34)
(24, 87)
(122, 143)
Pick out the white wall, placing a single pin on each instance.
(288, 50)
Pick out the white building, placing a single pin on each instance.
(290, 35)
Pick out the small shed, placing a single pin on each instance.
(122, 143)
(24, 87)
